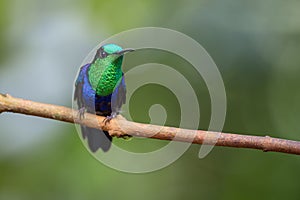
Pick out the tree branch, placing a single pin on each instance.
(120, 126)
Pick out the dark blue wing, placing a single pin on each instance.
(85, 97)
(78, 94)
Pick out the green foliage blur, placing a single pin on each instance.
(255, 45)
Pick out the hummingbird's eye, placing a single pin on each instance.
(103, 54)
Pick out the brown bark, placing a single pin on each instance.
(120, 127)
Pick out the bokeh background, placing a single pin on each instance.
(256, 46)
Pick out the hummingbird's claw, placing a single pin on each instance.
(81, 112)
(110, 117)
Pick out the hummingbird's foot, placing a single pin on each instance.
(81, 112)
(110, 117)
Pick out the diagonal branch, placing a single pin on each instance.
(120, 127)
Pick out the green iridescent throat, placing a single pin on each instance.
(105, 74)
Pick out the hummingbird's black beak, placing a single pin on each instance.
(122, 52)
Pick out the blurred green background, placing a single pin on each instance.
(256, 46)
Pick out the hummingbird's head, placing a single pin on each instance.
(111, 52)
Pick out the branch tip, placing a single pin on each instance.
(5, 95)
(2, 107)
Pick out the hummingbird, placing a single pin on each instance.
(100, 89)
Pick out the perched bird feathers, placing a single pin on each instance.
(100, 89)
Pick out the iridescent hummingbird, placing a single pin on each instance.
(100, 89)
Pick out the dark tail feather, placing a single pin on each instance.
(96, 138)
